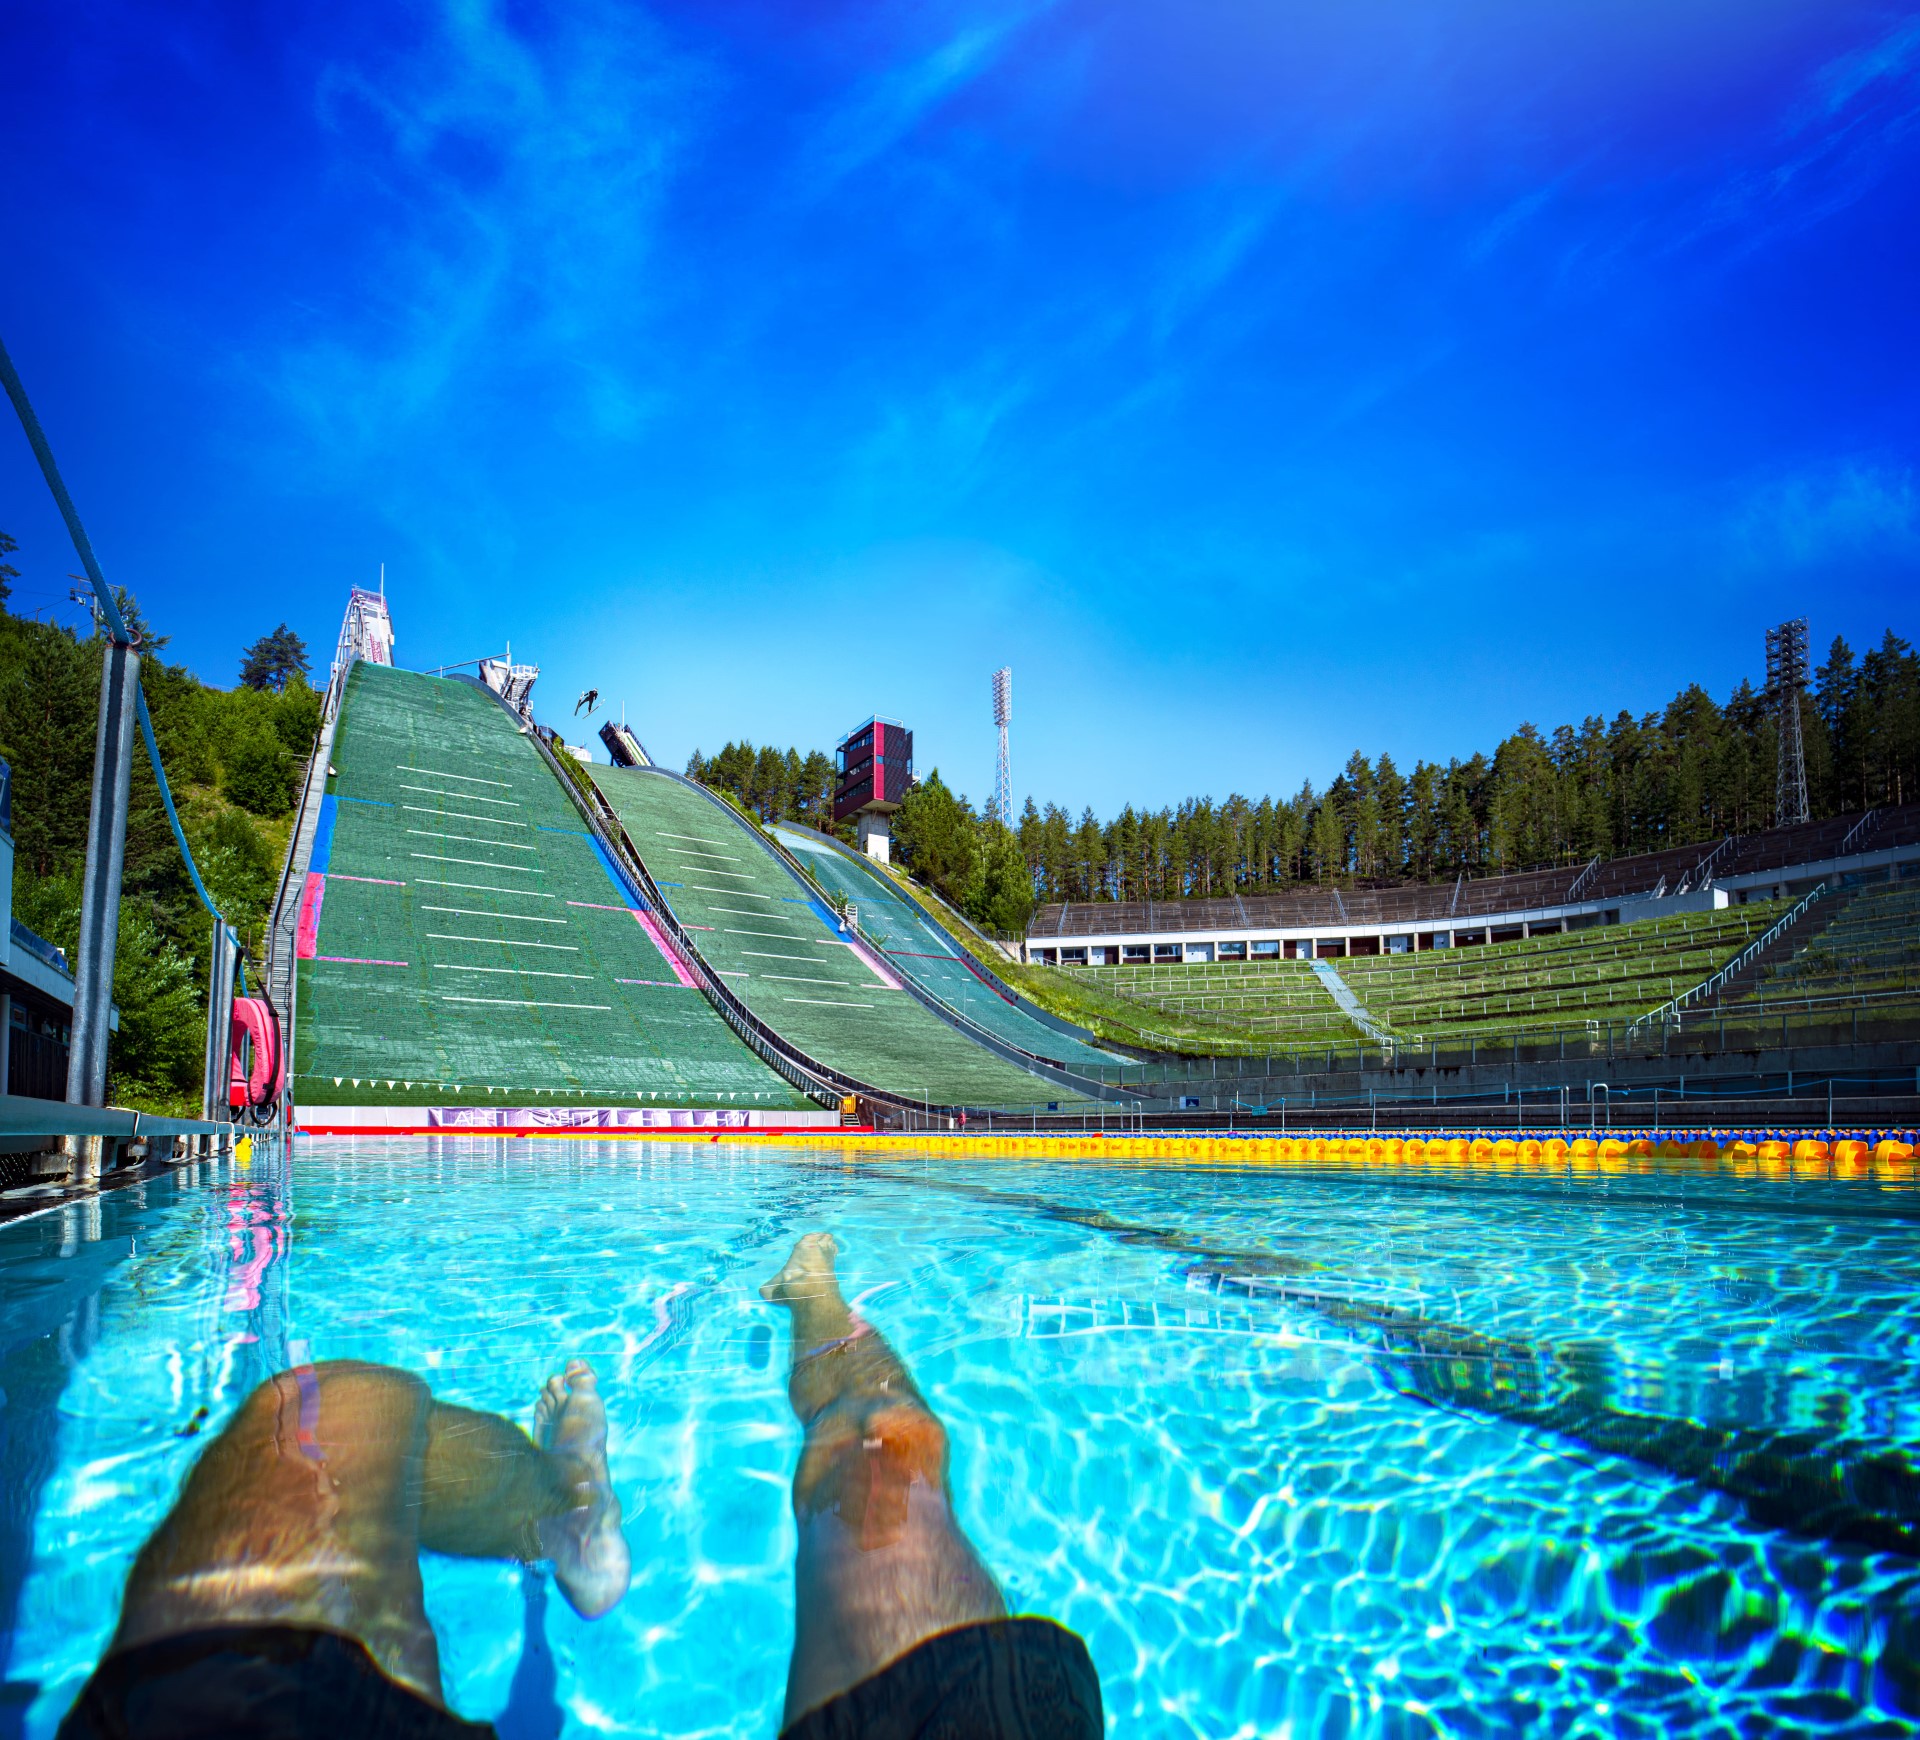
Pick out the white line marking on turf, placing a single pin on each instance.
(697, 839)
(485, 887)
(520, 917)
(777, 935)
(739, 911)
(478, 864)
(471, 797)
(826, 1002)
(523, 972)
(804, 979)
(471, 840)
(771, 955)
(467, 778)
(457, 816)
(524, 1003)
(505, 942)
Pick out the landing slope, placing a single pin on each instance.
(464, 941)
(925, 953)
(781, 951)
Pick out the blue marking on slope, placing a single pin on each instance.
(629, 895)
(372, 803)
(322, 838)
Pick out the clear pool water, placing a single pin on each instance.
(1296, 1455)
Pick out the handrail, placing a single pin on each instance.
(1669, 1012)
(1866, 825)
(1697, 876)
(1580, 881)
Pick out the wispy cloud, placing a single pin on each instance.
(1851, 509)
(503, 179)
(880, 115)
(1834, 147)
(1842, 81)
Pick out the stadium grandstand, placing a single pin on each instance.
(778, 946)
(1331, 922)
(463, 942)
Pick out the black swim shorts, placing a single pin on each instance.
(255, 1682)
(1006, 1679)
(1003, 1679)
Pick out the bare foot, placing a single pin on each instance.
(808, 1274)
(589, 1553)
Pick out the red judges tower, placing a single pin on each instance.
(876, 767)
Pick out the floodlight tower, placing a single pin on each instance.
(1003, 769)
(1786, 683)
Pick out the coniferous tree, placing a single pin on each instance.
(274, 661)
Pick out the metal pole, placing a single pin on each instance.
(213, 1087)
(6, 1041)
(100, 887)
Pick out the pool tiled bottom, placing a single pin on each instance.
(1296, 1453)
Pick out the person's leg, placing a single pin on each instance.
(491, 1492)
(311, 1508)
(303, 1512)
(883, 1564)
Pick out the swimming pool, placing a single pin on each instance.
(1295, 1453)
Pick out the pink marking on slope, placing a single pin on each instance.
(307, 932)
(651, 926)
(874, 967)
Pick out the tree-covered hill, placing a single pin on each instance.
(232, 757)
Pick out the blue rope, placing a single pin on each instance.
(173, 820)
(37, 440)
(109, 609)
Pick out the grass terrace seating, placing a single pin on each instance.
(1870, 952)
(1612, 973)
(779, 949)
(472, 946)
(1282, 1003)
(921, 950)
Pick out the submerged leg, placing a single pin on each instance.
(304, 1512)
(883, 1564)
(312, 1506)
(491, 1492)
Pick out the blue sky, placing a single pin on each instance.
(1260, 381)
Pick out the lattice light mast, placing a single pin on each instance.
(1786, 683)
(1003, 768)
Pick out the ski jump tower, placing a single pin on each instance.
(875, 762)
(366, 632)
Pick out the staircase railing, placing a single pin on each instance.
(1585, 876)
(1668, 1014)
(1858, 834)
(1698, 875)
